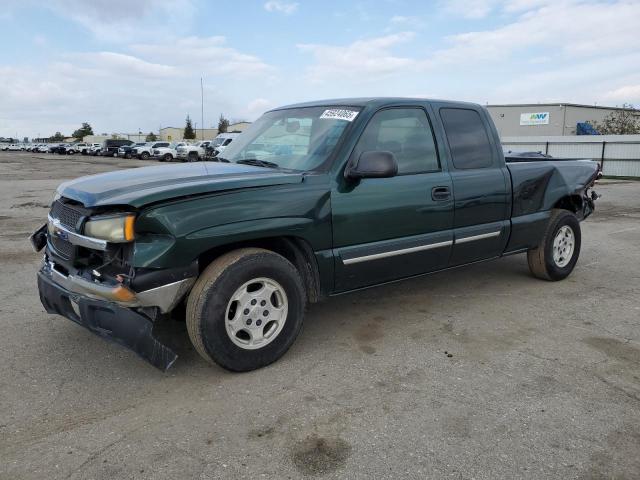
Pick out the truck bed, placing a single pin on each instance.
(535, 181)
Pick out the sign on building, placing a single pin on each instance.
(538, 118)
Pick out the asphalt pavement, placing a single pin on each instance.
(481, 372)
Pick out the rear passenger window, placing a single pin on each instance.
(406, 133)
(467, 137)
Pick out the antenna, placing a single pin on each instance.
(201, 110)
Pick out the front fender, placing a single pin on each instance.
(176, 234)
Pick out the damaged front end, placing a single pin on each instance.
(90, 281)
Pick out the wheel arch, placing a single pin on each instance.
(295, 249)
(572, 203)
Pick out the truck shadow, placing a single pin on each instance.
(367, 314)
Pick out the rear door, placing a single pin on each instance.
(481, 186)
(390, 228)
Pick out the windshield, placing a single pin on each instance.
(295, 139)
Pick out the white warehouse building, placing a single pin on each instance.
(545, 119)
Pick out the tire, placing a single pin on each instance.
(167, 158)
(144, 155)
(211, 302)
(192, 157)
(542, 261)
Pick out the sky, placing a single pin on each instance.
(130, 65)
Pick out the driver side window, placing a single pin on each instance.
(406, 133)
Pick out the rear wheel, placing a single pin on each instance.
(246, 309)
(168, 157)
(144, 156)
(193, 156)
(558, 251)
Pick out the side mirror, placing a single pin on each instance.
(373, 164)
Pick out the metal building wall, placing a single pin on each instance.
(563, 118)
(618, 154)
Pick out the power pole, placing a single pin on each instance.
(201, 110)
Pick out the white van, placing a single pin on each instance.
(222, 140)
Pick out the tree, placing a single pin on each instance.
(223, 124)
(83, 131)
(619, 122)
(189, 133)
(151, 137)
(58, 137)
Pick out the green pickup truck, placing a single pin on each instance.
(313, 200)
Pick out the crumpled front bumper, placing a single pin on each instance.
(108, 320)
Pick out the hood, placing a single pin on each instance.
(141, 186)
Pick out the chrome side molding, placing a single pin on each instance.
(482, 236)
(403, 251)
(392, 253)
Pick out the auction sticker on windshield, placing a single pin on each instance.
(340, 114)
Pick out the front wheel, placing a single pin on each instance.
(144, 156)
(246, 309)
(558, 251)
(168, 157)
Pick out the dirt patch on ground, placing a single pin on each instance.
(615, 349)
(320, 455)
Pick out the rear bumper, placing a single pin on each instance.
(108, 320)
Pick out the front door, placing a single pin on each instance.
(389, 228)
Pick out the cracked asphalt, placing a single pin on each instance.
(481, 372)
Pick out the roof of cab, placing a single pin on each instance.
(375, 102)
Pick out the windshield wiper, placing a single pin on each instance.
(257, 163)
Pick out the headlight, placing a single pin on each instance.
(117, 229)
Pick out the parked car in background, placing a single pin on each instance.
(94, 149)
(14, 148)
(193, 153)
(126, 151)
(59, 148)
(43, 148)
(145, 151)
(220, 143)
(167, 154)
(83, 148)
(73, 148)
(110, 147)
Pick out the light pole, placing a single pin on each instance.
(201, 110)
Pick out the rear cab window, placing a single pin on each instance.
(467, 137)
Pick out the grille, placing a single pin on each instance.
(64, 248)
(68, 215)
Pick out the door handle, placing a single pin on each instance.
(440, 194)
